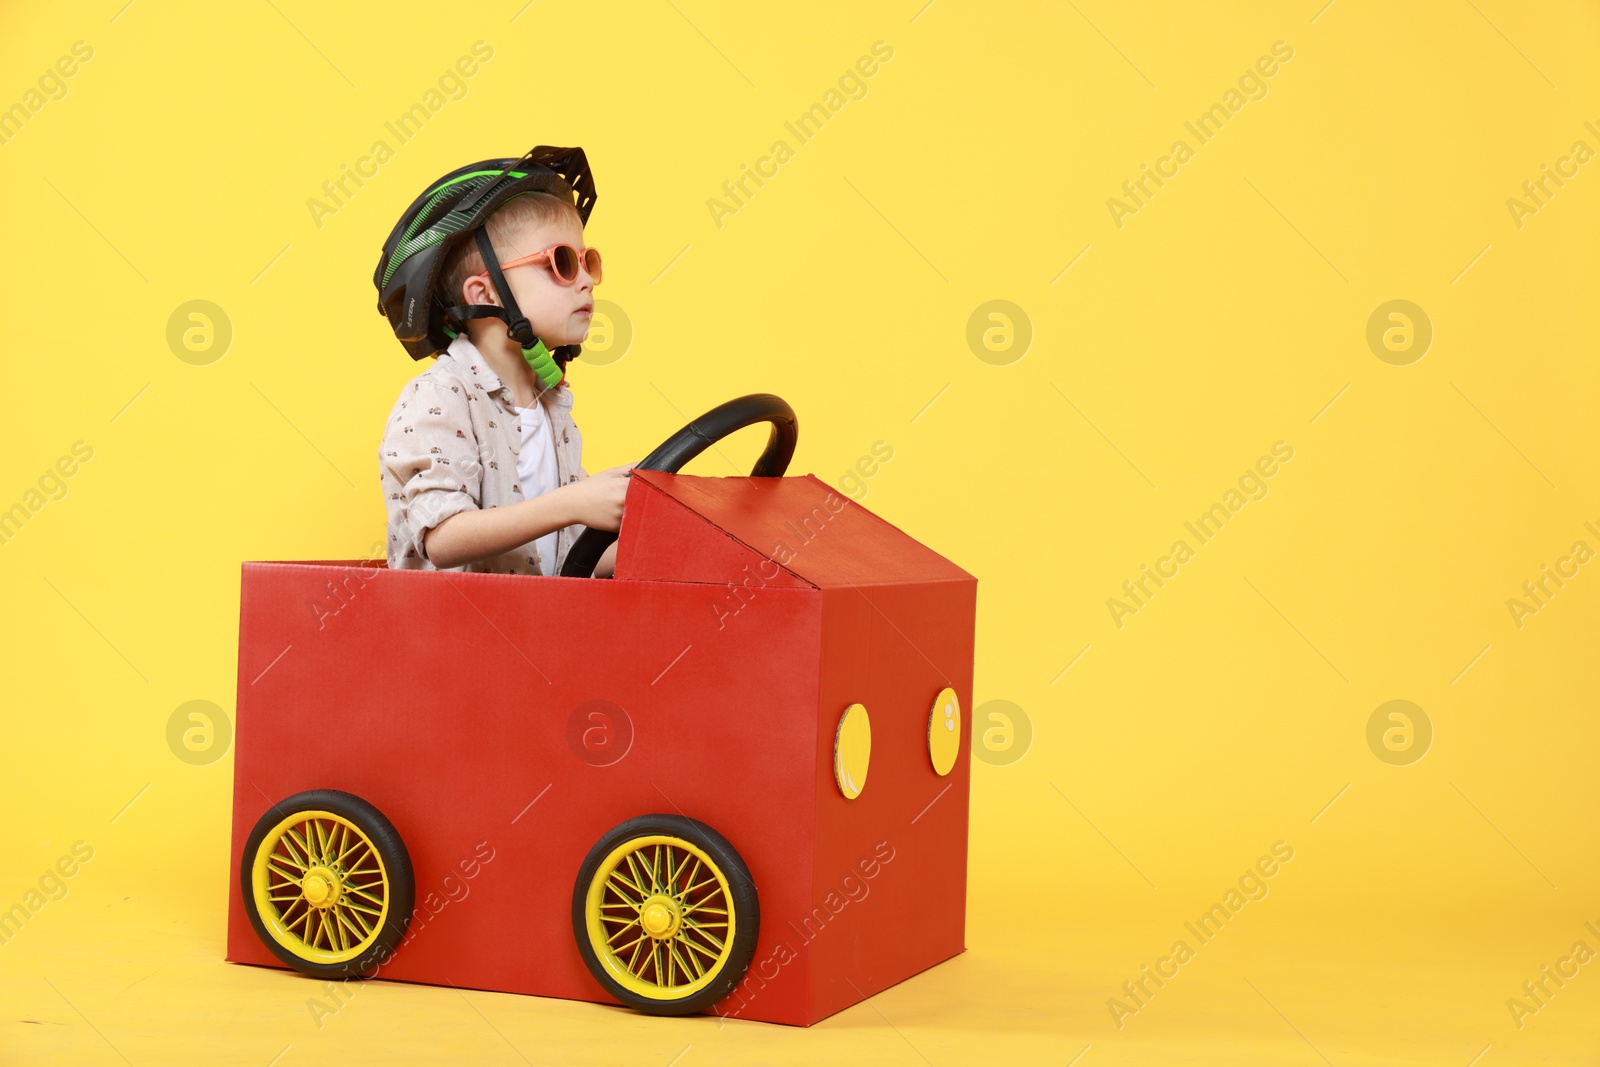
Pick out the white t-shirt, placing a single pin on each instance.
(536, 464)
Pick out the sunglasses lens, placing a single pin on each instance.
(591, 263)
(564, 261)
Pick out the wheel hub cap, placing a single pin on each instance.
(660, 917)
(321, 887)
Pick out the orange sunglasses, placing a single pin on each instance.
(563, 262)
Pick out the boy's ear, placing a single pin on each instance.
(477, 290)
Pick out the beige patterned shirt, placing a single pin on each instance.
(451, 445)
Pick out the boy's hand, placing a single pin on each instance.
(597, 499)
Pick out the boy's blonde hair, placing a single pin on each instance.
(524, 209)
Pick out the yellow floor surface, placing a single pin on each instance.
(128, 968)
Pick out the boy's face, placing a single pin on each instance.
(558, 313)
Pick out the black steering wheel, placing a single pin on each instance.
(688, 443)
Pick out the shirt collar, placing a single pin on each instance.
(466, 353)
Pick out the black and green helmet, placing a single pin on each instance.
(453, 210)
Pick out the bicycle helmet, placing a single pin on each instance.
(452, 210)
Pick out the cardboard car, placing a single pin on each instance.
(732, 777)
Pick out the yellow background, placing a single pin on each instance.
(1226, 315)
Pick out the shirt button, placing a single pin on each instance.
(564, 437)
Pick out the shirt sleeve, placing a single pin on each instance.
(431, 452)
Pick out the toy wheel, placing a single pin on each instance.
(327, 884)
(665, 914)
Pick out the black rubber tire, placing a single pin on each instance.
(745, 905)
(391, 850)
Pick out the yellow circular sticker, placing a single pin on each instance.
(852, 750)
(944, 730)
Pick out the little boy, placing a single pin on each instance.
(481, 460)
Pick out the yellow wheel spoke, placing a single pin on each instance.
(693, 962)
(697, 920)
(687, 857)
(614, 938)
(707, 908)
(349, 847)
(689, 885)
(298, 840)
(338, 928)
(360, 854)
(642, 861)
(292, 840)
(342, 916)
(287, 856)
(377, 901)
(356, 920)
(339, 834)
(618, 883)
(340, 923)
(698, 947)
(683, 967)
(637, 946)
(619, 950)
(711, 880)
(672, 959)
(623, 882)
(636, 860)
(324, 934)
(293, 876)
(667, 866)
(343, 922)
(713, 938)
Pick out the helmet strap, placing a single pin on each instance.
(517, 324)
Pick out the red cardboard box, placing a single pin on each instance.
(520, 718)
